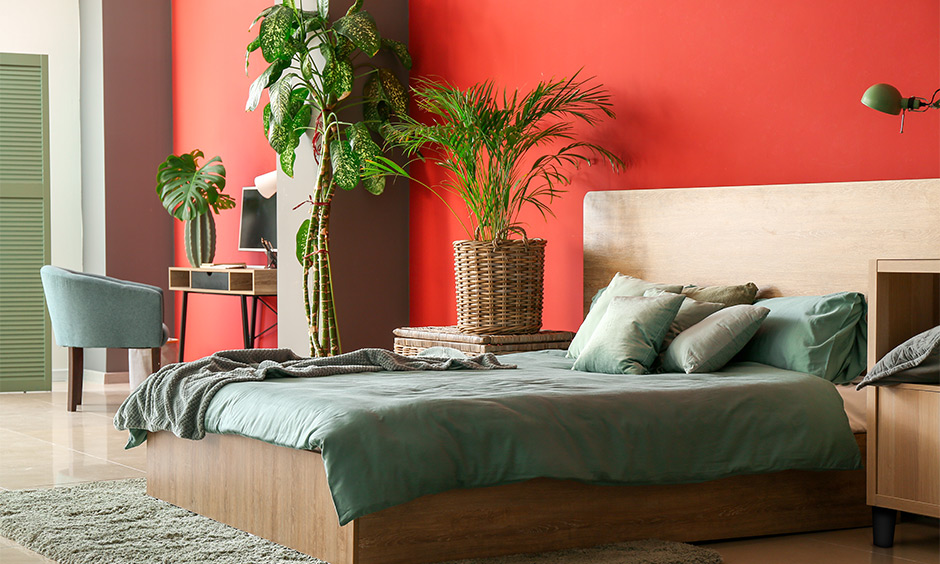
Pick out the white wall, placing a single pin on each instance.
(52, 28)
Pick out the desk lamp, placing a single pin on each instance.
(886, 98)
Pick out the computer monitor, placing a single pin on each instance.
(258, 219)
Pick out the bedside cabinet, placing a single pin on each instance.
(903, 465)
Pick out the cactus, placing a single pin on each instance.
(199, 239)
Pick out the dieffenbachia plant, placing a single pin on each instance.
(313, 63)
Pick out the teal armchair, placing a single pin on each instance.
(91, 311)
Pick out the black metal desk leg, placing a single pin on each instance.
(254, 315)
(883, 521)
(246, 339)
(183, 325)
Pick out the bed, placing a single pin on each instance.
(798, 239)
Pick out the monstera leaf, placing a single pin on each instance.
(188, 190)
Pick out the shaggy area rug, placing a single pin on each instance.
(117, 523)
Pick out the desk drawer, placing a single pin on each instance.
(209, 280)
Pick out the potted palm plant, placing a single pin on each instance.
(313, 62)
(191, 192)
(504, 152)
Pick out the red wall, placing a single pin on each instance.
(714, 93)
(209, 92)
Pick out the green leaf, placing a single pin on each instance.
(265, 79)
(264, 13)
(280, 137)
(344, 47)
(323, 8)
(274, 33)
(339, 77)
(253, 46)
(301, 244)
(360, 28)
(394, 93)
(400, 51)
(188, 190)
(345, 164)
(280, 95)
(357, 5)
(374, 184)
(287, 162)
(374, 107)
(266, 118)
(361, 143)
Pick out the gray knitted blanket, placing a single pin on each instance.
(176, 397)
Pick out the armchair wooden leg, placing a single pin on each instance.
(155, 360)
(76, 369)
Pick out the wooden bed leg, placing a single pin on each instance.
(155, 359)
(882, 530)
(76, 369)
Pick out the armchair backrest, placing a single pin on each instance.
(92, 311)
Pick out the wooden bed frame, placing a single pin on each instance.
(798, 239)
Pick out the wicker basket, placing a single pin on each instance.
(499, 287)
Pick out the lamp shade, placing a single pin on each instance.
(884, 98)
(267, 183)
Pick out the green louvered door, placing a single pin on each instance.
(24, 222)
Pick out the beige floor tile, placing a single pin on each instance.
(914, 540)
(793, 549)
(12, 553)
(28, 462)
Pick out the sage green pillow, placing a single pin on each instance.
(620, 285)
(822, 335)
(690, 312)
(627, 338)
(727, 295)
(711, 343)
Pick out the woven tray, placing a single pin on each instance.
(410, 341)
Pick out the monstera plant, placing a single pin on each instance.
(312, 65)
(190, 192)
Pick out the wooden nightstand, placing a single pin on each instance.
(904, 419)
(413, 340)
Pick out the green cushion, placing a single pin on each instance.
(628, 336)
(821, 335)
(727, 295)
(620, 285)
(711, 343)
(690, 312)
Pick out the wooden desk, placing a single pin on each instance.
(241, 282)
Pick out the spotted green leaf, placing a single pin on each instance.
(323, 7)
(301, 242)
(344, 47)
(357, 5)
(399, 49)
(340, 77)
(374, 184)
(266, 118)
(279, 137)
(280, 95)
(287, 159)
(274, 32)
(264, 13)
(374, 107)
(394, 92)
(345, 164)
(265, 79)
(360, 28)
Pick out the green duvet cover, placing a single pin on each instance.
(390, 437)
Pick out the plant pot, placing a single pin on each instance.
(199, 239)
(499, 286)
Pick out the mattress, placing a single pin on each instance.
(390, 437)
(855, 404)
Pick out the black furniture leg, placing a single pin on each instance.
(883, 521)
(246, 339)
(183, 325)
(254, 316)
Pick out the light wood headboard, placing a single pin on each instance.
(799, 239)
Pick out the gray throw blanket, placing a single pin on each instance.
(176, 397)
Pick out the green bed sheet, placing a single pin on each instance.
(390, 437)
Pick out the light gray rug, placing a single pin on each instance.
(117, 523)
